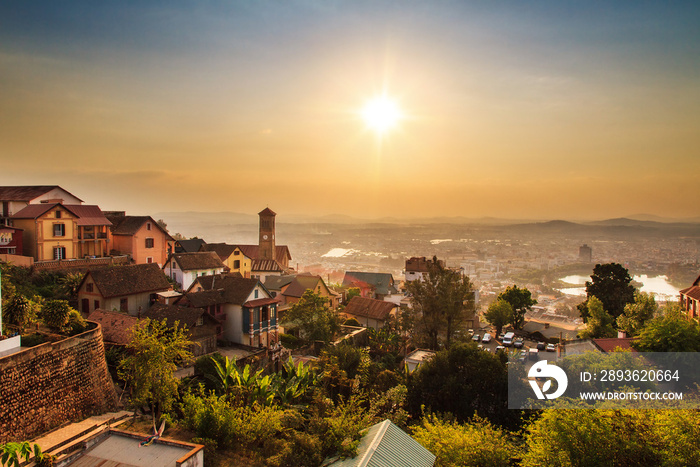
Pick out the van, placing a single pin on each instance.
(508, 339)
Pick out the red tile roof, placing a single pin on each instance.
(301, 284)
(128, 280)
(222, 288)
(129, 225)
(199, 260)
(85, 214)
(222, 249)
(369, 308)
(267, 212)
(27, 193)
(251, 251)
(612, 343)
(692, 292)
(116, 326)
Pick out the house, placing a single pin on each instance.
(54, 231)
(385, 444)
(416, 358)
(140, 237)
(417, 267)
(371, 284)
(370, 312)
(10, 240)
(184, 268)
(202, 328)
(15, 198)
(232, 256)
(129, 289)
(116, 326)
(690, 300)
(289, 289)
(246, 309)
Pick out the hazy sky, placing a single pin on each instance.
(537, 109)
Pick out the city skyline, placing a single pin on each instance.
(541, 110)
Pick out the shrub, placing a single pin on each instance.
(55, 313)
(352, 322)
(289, 341)
(76, 324)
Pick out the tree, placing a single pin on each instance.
(313, 317)
(70, 284)
(464, 381)
(636, 314)
(19, 311)
(161, 223)
(473, 444)
(55, 313)
(583, 438)
(611, 284)
(441, 302)
(599, 322)
(499, 314)
(154, 352)
(521, 300)
(353, 292)
(669, 333)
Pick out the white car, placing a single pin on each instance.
(486, 338)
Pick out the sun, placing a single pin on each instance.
(381, 114)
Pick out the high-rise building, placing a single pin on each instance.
(585, 253)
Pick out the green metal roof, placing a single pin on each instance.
(387, 445)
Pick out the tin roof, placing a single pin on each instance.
(387, 445)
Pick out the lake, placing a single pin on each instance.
(657, 285)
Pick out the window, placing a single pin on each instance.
(149, 260)
(58, 214)
(149, 243)
(124, 304)
(89, 287)
(263, 317)
(97, 304)
(236, 253)
(236, 264)
(256, 293)
(59, 230)
(148, 226)
(59, 252)
(200, 321)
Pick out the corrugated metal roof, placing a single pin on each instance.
(387, 445)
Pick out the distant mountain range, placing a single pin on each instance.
(229, 218)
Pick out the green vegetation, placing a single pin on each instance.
(442, 301)
(521, 301)
(612, 285)
(499, 314)
(313, 318)
(599, 323)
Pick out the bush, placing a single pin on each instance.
(76, 324)
(289, 341)
(352, 322)
(55, 313)
(472, 444)
(31, 340)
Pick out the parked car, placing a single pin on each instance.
(487, 338)
(518, 343)
(541, 346)
(500, 348)
(523, 356)
(476, 338)
(551, 348)
(534, 354)
(508, 339)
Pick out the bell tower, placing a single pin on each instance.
(266, 241)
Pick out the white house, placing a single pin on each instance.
(184, 268)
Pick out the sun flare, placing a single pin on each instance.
(381, 114)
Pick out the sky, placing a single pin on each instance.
(511, 109)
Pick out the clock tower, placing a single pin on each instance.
(266, 242)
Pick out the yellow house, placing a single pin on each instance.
(57, 231)
(232, 256)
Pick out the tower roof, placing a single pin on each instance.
(267, 212)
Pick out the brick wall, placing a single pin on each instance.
(50, 384)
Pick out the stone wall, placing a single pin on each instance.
(50, 384)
